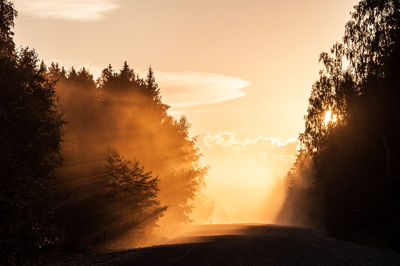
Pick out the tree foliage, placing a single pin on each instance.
(124, 112)
(354, 185)
(31, 131)
(7, 15)
(97, 199)
(116, 208)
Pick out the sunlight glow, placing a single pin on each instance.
(329, 118)
(251, 167)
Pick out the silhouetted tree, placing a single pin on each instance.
(128, 182)
(118, 207)
(152, 89)
(7, 15)
(355, 181)
(30, 137)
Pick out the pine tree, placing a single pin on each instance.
(152, 89)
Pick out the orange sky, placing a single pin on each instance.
(240, 70)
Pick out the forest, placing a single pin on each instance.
(346, 178)
(87, 165)
(97, 164)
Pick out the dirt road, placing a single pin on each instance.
(248, 245)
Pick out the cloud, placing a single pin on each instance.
(228, 140)
(79, 10)
(182, 89)
(274, 154)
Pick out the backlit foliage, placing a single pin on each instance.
(353, 185)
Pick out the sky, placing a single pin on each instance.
(241, 71)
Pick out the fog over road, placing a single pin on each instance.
(240, 244)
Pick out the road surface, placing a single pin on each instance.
(247, 245)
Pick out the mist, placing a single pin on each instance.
(122, 114)
(298, 185)
(246, 176)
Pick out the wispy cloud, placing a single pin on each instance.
(80, 10)
(182, 89)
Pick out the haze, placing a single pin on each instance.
(241, 71)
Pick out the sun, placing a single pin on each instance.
(329, 118)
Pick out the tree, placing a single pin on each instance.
(152, 89)
(7, 15)
(128, 182)
(355, 184)
(126, 76)
(117, 209)
(30, 140)
(137, 122)
(86, 207)
(119, 114)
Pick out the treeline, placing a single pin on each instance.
(86, 164)
(346, 179)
